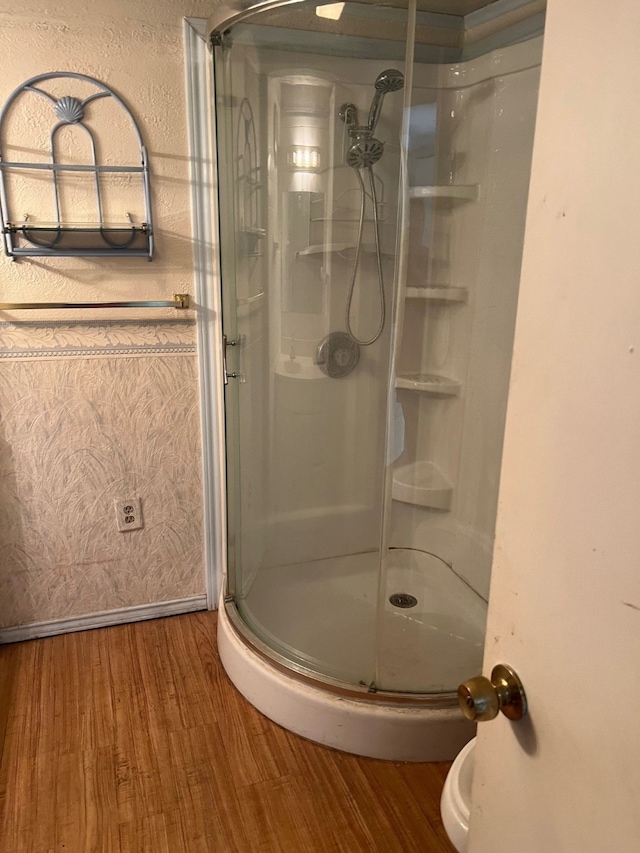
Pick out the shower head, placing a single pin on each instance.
(364, 152)
(365, 149)
(390, 80)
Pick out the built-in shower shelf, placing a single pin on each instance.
(465, 192)
(438, 294)
(323, 249)
(422, 484)
(249, 300)
(354, 219)
(339, 248)
(429, 383)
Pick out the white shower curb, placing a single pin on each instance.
(373, 729)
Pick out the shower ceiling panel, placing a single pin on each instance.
(229, 12)
(451, 7)
(446, 31)
(458, 8)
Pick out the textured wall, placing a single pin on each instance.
(112, 413)
(100, 405)
(137, 50)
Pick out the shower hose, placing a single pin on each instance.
(356, 260)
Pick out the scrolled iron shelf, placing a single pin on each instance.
(78, 240)
(64, 240)
(61, 237)
(88, 227)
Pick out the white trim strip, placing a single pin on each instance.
(104, 619)
(199, 25)
(68, 339)
(207, 298)
(137, 352)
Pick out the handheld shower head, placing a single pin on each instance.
(390, 80)
(364, 152)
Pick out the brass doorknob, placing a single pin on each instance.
(481, 699)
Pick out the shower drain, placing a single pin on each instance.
(403, 599)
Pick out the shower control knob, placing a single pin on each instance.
(480, 699)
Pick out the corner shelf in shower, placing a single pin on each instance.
(248, 241)
(250, 300)
(349, 219)
(338, 248)
(438, 294)
(463, 192)
(429, 383)
(422, 484)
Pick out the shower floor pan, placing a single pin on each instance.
(324, 616)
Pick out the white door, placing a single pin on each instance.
(565, 598)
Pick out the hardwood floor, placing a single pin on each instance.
(132, 740)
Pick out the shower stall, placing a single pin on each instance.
(373, 165)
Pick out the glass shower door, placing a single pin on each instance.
(306, 413)
(363, 471)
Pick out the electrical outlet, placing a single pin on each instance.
(128, 514)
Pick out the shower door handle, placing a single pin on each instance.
(480, 699)
(227, 343)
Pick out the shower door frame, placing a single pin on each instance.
(208, 304)
(231, 421)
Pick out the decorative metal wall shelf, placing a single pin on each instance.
(24, 237)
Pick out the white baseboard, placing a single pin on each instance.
(34, 630)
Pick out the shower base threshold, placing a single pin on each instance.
(379, 729)
(324, 618)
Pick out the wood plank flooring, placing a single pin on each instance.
(132, 740)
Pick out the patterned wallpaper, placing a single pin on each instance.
(90, 412)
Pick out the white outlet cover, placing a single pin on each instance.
(128, 514)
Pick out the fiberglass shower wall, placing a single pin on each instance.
(471, 135)
(311, 447)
